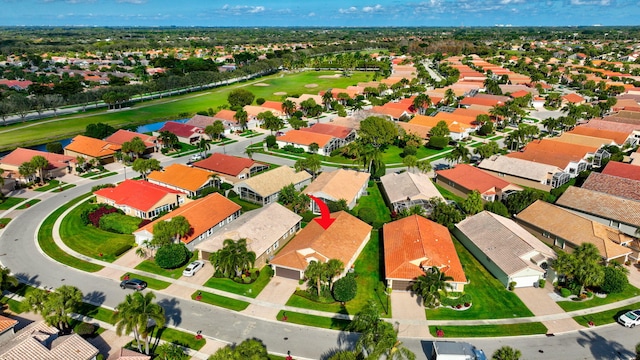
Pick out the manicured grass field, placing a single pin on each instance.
(313, 320)
(368, 270)
(152, 283)
(10, 202)
(39, 132)
(629, 292)
(249, 290)
(490, 299)
(51, 185)
(48, 245)
(150, 266)
(91, 241)
(28, 204)
(221, 301)
(490, 330)
(376, 202)
(180, 338)
(392, 154)
(605, 317)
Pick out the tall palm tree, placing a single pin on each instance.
(6, 280)
(327, 98)
(168, 139)
(241, 117)
(449, 97)
(60, 304)
(424, 166)
(316, 275)
(203, 146)
(234, 258)
(288, 107)
(138, 313)
(40, 163)
(429, 285)
(410, 161)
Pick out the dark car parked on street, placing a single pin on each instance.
(135, 284)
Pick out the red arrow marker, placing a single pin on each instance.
(325, 219)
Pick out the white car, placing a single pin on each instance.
(193, 268)
(630, 318)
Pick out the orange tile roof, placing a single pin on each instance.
(459, 117)
(342, 240)
(336, 131)
(181, 176)
(622, 170)
(202, 214)
(556, 153)
(395, 113)
(454, 126)
(472, 178)
(573, 98)
(122, 136)
(225, 164)
(519, 94)
(6, 323)
(22, 155)
(225, 114)
(415, 242)
(420, 130)
(618, 137)
(92, 147)
(305, 138)
(480, 101)
(137, 194)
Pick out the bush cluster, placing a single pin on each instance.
(172, 256)
(93, 214)
(345, 288)
(564, 292)
(293, 149)
(84, 329)
(119, 223)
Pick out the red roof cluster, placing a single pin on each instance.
(225, 164)
(137, 194)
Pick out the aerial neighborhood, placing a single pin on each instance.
(347, 189)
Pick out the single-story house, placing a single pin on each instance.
(343, 240)
(613, 185)
(464, 179)
(187, 134)
(571, 158)
(622, 170)
(304, 139)
(345, 134)
(231, 125)
(206, 216)
(7, 328)
(507, 250)
(122, 136)
(59, 165)
(41, 341)
(457, 130)
(336, 185)
(183, 178)
(616, 212)
(524, 172)
(573, 99)
(406, 190)
(264, 188)
(230, 168)
(90, 148)
(201, 121)
(140, 198)
(253, 111)
(567, 230)
(264, 235)
(415, 244)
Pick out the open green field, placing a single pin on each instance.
(39, 132)
(489, 297)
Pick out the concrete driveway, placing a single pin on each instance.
(540, 302)
(276, 293)
(406, 306)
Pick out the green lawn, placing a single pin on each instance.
(449, 195)
(28, 204)
(605, 317)
(181, 338)
(152, 283)
(10, 202)
(392, 154)
(375, 201)
(489, 297)
(368, 270)
(91, 241)
(103, 175)
(246, 205)
(249, 290)
(96, 312)
(150, 266)
(313, 320)
(64, 187)
(490, 330)
(4, 221)
(221, 301)
(48, 245)
(51, 185)
(629, 292)
(167, 108)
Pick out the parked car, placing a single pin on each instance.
(135, 284)
(196, 157)
(193, 268)
(630, 318)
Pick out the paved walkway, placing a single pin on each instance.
(541, 303)
(277, 292)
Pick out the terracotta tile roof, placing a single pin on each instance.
(343, 240)
(472, 178)
(613, 185)
(480, 101)
(300, 137)
(471, 112)
(22, 155)
(618, 137)
(225, 164)
(454, 126)
(122, 136)
(573, 98)
(338, 184)
(556, 153)
(274, 105)
(519, 94)
(92, 147)
(414, 243)
(225, 114)
(420, 130)
(202, 215)
(126, 354)
(336, 131)
(253, 110)
(395, 113)
(273, 181)
(504, 242)
(574, 228)
(622, 170)
(577, 139)
(181, 176)
(201, 121)
(137, 194)
(602, 205)
(181, 130)
(469, 120)
(6, 323)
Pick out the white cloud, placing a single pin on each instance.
(350, 10)
(311, 14)
(507, 2)
(242, 9)
(591, 2)
(137, 2)
(371, 9)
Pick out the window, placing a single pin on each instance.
(276, 245)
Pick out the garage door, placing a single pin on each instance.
(525, 281)
(288, 273)
(402, 285)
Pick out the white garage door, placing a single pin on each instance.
(525, 281)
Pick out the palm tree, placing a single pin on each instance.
(410, 161)
(203, 146)
(170, 351)
(6, 280)
(506, 353)
(316, 275)
(459, 153)
(288, 107)
(421, 103)
(429, 285)
(327, 98)
(137, 314)
(168, 139)
(234, 258)
(60, 304)
(241, 117)
(449, 97)
(424, 166)
(40, 163)
(214, 130)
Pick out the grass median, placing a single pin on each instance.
(533, 328)
(605, 317)
(10, 202)
(151, 282)
(28, 204)
(48, 245)
(181, 338)
(313, 320)
(221, 301)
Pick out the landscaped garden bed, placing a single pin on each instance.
(249, 290)
(150, 266)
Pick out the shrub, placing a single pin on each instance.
(564, 292)
(84, 329)
(345, 288)
(438, 142)
(260, 101)
(94, 216)
(122, 249)
(512, 285)
(466, 299)
(409, 150)
(336, 152)
(270, 140)
(226, 186)
(615, 280)
(293, 149)
(254, 274)
(308, 216)
(542, 283)
(232, 194)
(367, 215)
(98, 187)
(119, 223)
(172, 256)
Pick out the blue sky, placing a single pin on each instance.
(319, 13)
